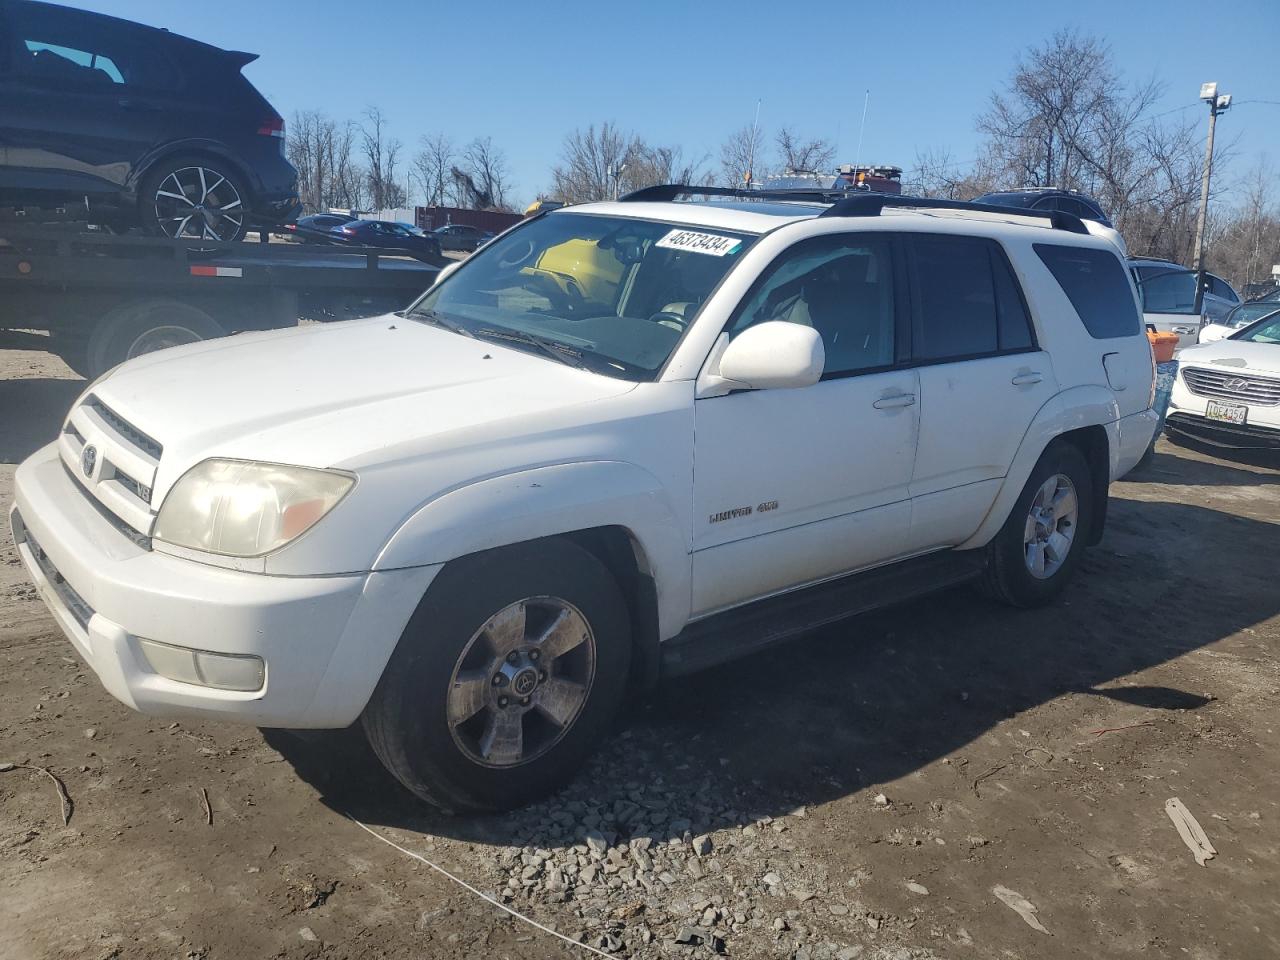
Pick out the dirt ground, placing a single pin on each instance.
(857, 794)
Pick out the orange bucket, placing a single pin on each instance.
(1162, 345)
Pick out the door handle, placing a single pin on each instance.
(897, 400)
(1023, 379)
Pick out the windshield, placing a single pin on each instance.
(610, 294)
(1247, 313)
(1266, 330)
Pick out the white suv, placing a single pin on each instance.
(624, 439)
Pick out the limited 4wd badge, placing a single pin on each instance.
(695, 242)
(737, 512)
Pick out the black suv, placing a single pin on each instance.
(143, 126)
(1049, 198)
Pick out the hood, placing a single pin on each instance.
(335, 395)
(1234, 354)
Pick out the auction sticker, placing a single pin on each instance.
(695, 242)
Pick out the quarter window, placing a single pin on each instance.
(1095, 283)
(967, 301)
(842, 287)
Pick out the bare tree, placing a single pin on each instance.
(322, 150)
(804, 156)
(1246, 242)
(935, 174)
(432, 165)
(589, 162)
(483, 175)
(742, 154)
(648, 166)
(381, 154)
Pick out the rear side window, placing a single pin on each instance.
(967, 301)
(68, 49)
(1095, 283)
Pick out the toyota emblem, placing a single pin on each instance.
(89, 460)
(1236, 383)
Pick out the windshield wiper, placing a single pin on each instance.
(551, 348)
(436, 320)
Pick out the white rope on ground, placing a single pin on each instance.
(483, 896)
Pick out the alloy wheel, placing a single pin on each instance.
(1051, 526)
(200, 202)
(521, 681)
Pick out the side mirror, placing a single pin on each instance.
(1213, 332)
(774, 355)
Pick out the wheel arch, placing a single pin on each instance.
(195, 149)
(615, 510)
(1087, 417)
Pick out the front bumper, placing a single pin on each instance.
(1260, 431)
(1241, 437)
(324, 640)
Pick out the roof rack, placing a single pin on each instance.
(854, 203)
(664, 192)
(871, 204)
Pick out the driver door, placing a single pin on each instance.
(794, 486)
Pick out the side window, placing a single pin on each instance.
(957, 312)
(1011, 309)
(841, 286)
(68, 49)
(1095, 283)
(1220, 288)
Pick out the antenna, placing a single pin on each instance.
(857, 156)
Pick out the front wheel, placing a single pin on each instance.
(505, 678)
(1038, 548)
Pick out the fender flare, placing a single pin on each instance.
(1072, 409)
(550, 501)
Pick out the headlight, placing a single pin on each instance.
(240, 508)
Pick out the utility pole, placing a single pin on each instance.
(1218, 103)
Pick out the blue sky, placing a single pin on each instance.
(689, 73)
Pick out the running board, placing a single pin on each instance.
(746, 630)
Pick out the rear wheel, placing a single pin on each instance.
(1038, 548)
(134, 329)
(505, 678)
(194, 197)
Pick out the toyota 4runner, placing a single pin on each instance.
(622, 440)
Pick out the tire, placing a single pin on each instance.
(216, 205)
(444, 761)
(1009, 576)
(133, 329)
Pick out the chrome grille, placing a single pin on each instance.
(151, 448)
(114, 464)
(1221, 385)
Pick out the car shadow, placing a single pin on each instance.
(1202, 464)
(870, 699)
(33, 410)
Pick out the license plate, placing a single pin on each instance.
(1226, 412)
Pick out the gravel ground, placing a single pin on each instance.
(900, 786)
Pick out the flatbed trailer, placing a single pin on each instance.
(103, 298)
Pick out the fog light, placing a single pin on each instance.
(225, 671)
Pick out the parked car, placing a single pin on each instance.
(318, 226)
(476, 524)
(461, 236)
(1240, 316)
(388, 235)
(1168, 293)
(1228, 392)
(1046, 199)
(148, 127)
